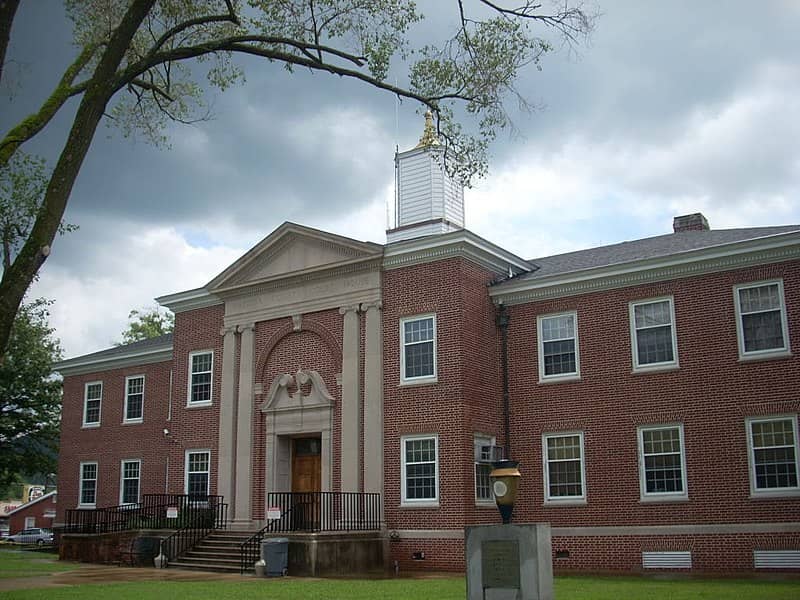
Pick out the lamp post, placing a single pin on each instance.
(505, 481)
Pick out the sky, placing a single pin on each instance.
(670, 108)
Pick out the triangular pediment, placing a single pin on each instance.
(290, 250)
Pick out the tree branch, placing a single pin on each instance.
(34, 123)
(239, 44)
(8, 9)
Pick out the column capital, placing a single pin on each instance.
(376, 304)
(348, 309)
(226, 330)
(246, 327)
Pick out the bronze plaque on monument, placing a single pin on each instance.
(500, 564)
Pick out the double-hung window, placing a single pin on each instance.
(198, 469)
(484, 449)
(761, 319)
(418, 349)
(130, 475)
(201, 367)
(558, 346)
(134, 399)
(773, 447)
(564, 472)
(93, 398)
(88, 484)
(662, 473)
(420, 469)
(653, 340)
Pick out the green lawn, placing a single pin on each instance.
(22, 563)
(567, 588)
(14, 563)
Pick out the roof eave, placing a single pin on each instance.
(720, 257)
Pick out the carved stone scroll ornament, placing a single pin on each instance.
(279, 396)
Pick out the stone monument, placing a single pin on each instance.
(508, 562)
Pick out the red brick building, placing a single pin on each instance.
(39, 512)
(649, 389)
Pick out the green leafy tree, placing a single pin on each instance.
(146, 324)
(30, 397)
(133, 63)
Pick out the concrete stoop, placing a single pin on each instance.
(328, 554)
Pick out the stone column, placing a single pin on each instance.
(350, 464)
(373, 398)
(227, 416)
(242, 514)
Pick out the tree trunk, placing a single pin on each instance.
(22, 272)
(8, 9)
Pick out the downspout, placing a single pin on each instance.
(502, 322)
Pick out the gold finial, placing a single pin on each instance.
(428, 138)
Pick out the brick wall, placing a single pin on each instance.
(711, 393)
(113, 441)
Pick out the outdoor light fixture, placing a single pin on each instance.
(505, 481)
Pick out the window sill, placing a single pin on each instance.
(418, 382)
(419, 505)
(133, 422)
(199, 405)
(655, 369)
(90, 425)
(564, 379)
(556, 503)
(774, 495)
(777, 355)
(662, 499)
(486, 504)
(86, 506)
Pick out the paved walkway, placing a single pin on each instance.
(89, 573)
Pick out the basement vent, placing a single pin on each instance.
(776, 559)
(667, 560)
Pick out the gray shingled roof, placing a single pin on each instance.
(654, 247)
(125, 349)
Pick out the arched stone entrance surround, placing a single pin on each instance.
(292, 414)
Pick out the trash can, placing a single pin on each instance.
(275, 554)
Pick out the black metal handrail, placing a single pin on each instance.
(312, 512)
(153, 512)
(202, 518)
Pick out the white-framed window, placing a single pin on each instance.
(484, 450)
(129, 478)
(420, 469)
(201, 369)
(558, 346)
(92, 401)
(198, 470)
(418, 349)
(88, 485)
(134, 399)
(30, 522)
(662, 460)
(564, 470)
(653, 340)
(761, 324)
(773, 449)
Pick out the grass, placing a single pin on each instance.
(567, 588)
(15, 563)
(23, 563)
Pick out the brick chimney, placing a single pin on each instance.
(694, 222)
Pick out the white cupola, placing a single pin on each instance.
(428, 200)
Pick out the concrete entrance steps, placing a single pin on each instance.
(217, 552)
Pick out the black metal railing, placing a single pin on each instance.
(155, 511)
(199, 521)
(312, 512)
